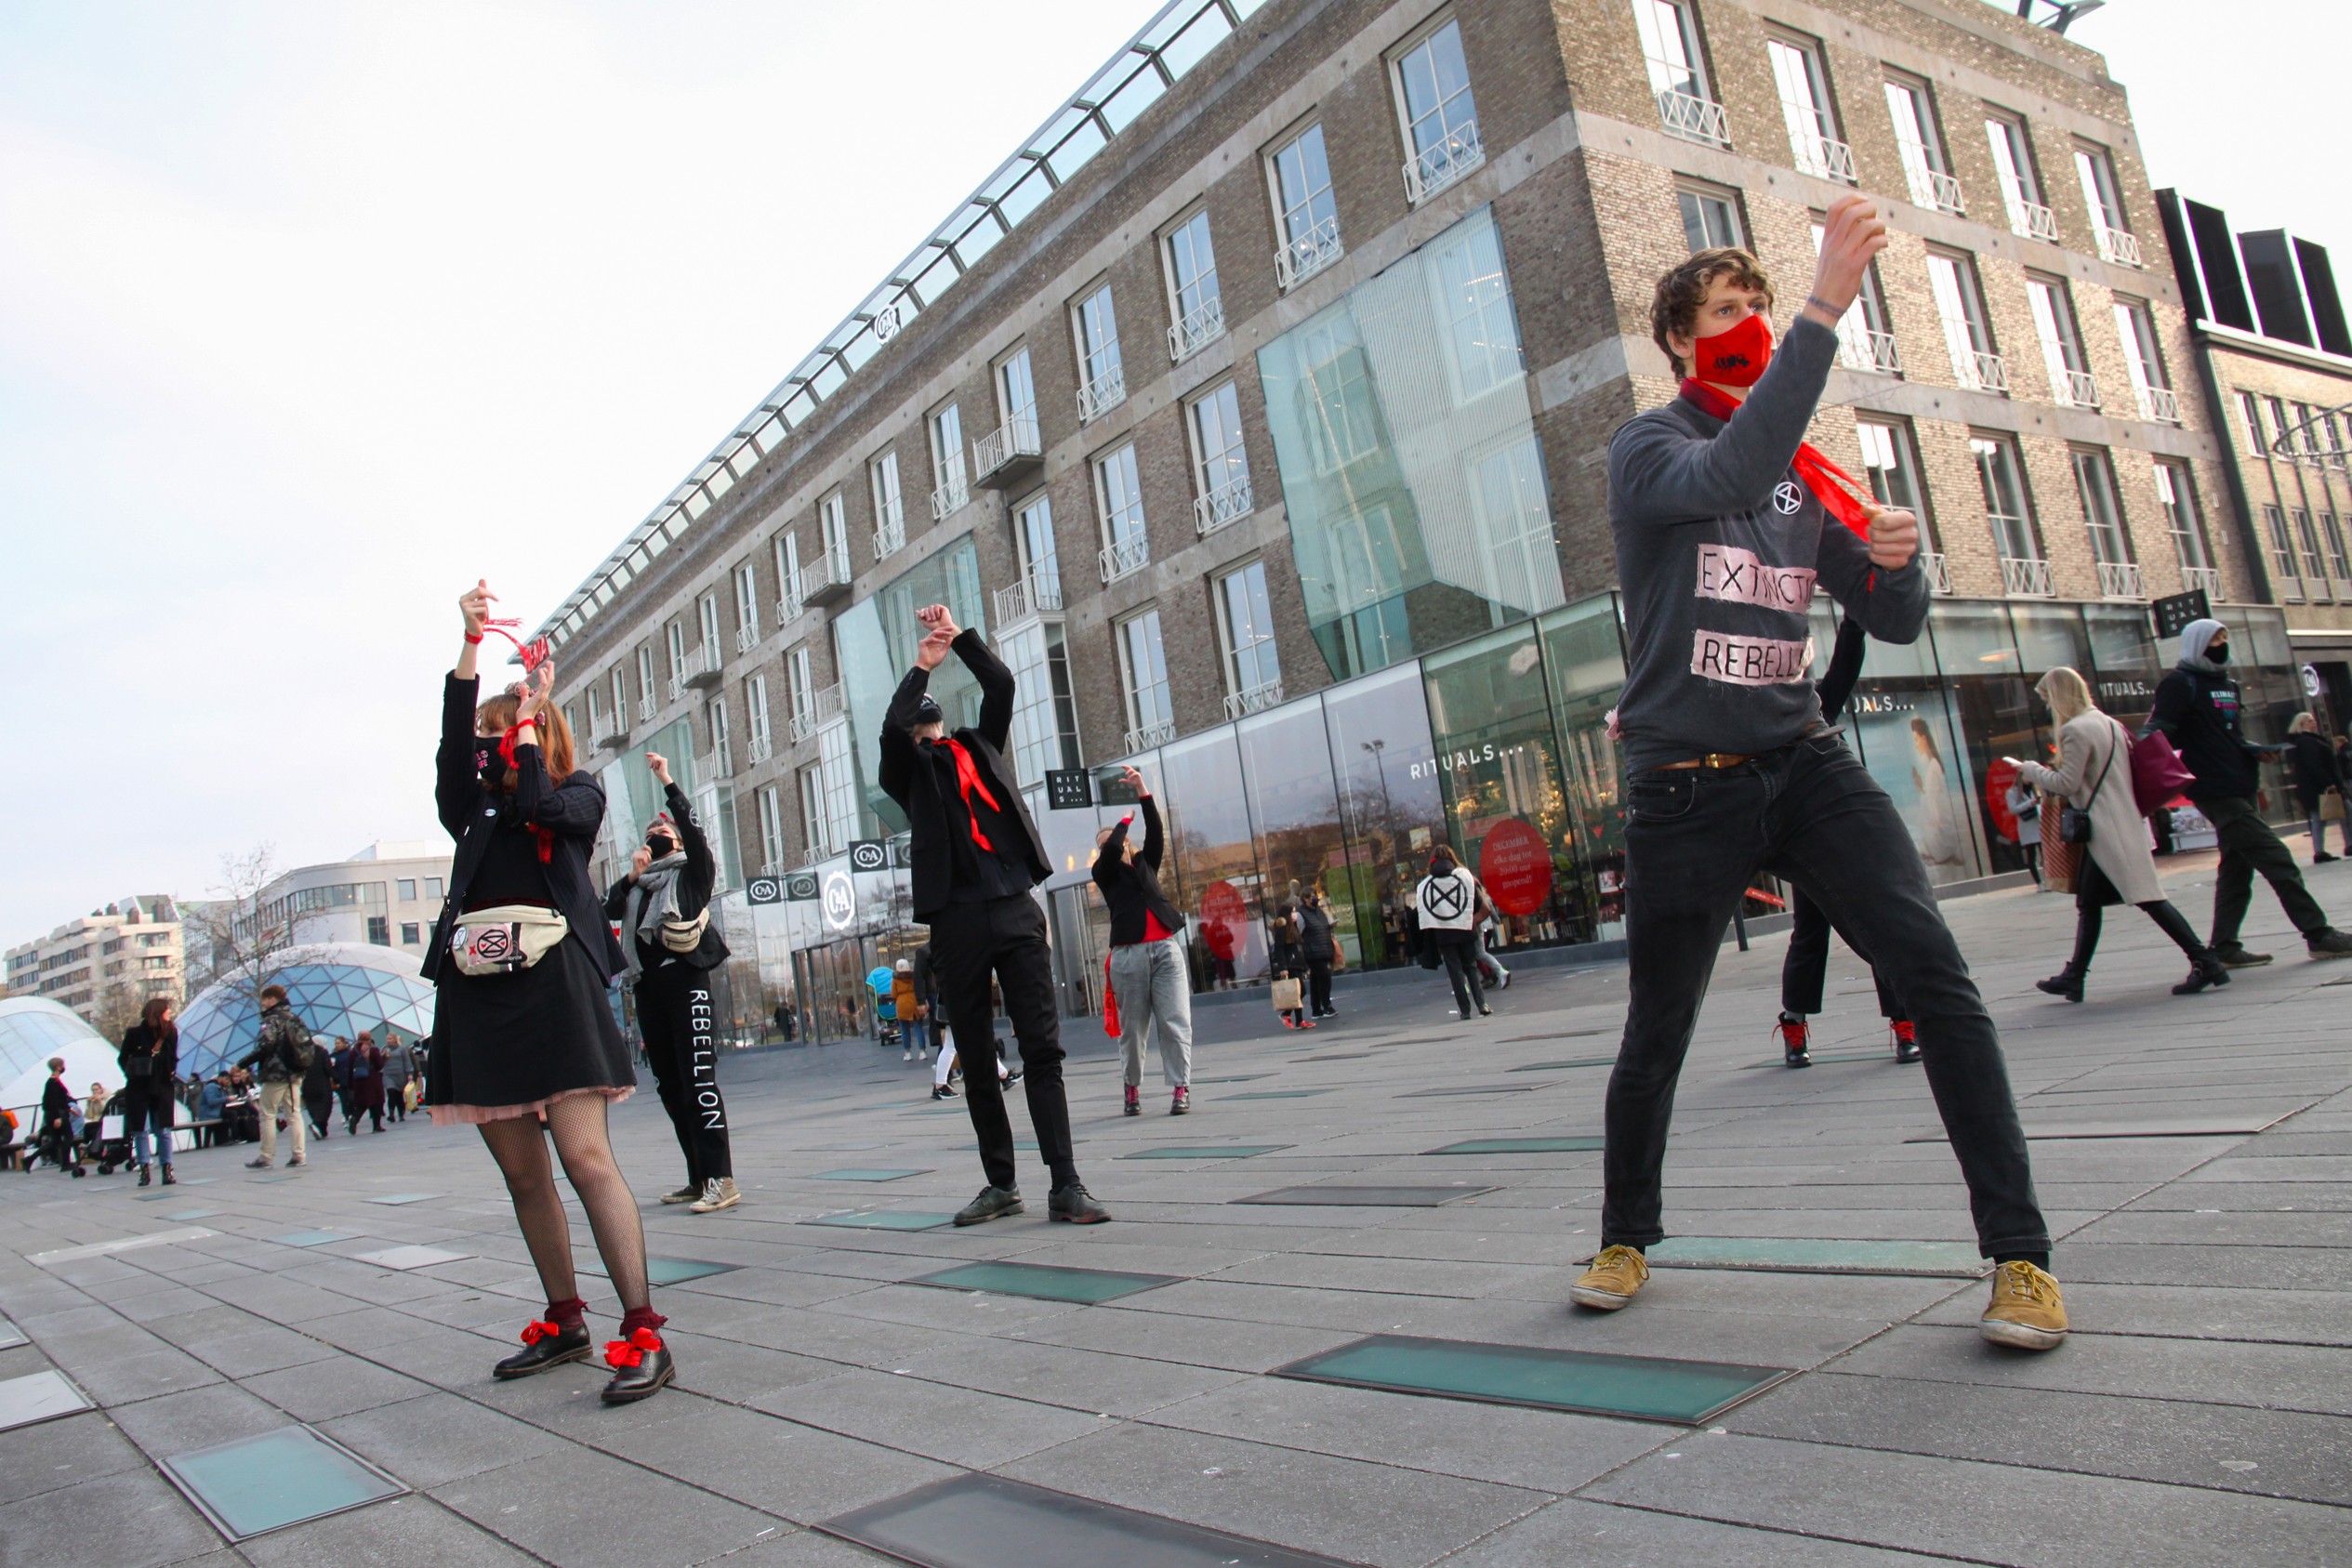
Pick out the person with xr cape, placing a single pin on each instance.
(976, 856)
(1726, 519)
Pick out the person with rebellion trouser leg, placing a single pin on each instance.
(671, 947)
(975, 855)
(1724, 520)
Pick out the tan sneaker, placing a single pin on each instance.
(2025, 1311)
(717, 1194)
(1615, 1274)
(683, 1196)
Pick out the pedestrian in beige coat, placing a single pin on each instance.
(2094, 776)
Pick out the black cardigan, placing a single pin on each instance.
(916, 790)
(2315, 768)
(694, 893)
(1133, 887)
(138, 1041)
(572, 812)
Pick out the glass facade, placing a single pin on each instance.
(1405, 437)
(874, 646)
(336, 989)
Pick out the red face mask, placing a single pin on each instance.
(1735, 358)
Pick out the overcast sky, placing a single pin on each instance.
(315, 312)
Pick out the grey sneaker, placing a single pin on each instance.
(2331, 943)
(993, 1203)
(685, 1194)
(717, 1194)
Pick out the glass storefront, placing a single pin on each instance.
(874, 642)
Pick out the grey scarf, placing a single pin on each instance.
(651, 901)
(2202, 665)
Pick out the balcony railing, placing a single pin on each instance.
(1939, 572)
(2160, 404)
(1125, 557)
(800, 725)
(1229, 502)
(746, 636)
(2026, 579)
(1150, 735)
(603, 731)
(759, 748)
(1038, 594)
(1439, 166)
(715, 763)
(2079, 387)
(1934, 188)
(1202, 325)
(2205, 577)
(1241, 705)
(1983, 371)
(820, 583)
(1007, 452)
(1309, 253)
(2031, 220)
(700, 667)
(2117, 246)
(1861, 348)
(889, 537)
(1102, 394)
(1693, 118)
(950, 498)
(647, 707)
(2119, 579)
(824, 707)
(1825, 158)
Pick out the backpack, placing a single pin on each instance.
(296, 1047)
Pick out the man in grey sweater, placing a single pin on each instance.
(1725, 520)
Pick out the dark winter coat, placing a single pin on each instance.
(367, 1078)
(1131, 887)
(147, 1062)
(2314, 766)
(694, 894)
(910, 780)
(2199, 712)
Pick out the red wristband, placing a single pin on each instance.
(471, 637)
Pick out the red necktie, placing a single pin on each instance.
(968, 783)
(1830, 485)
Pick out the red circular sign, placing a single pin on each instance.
(1515, 865)
(1223, 919)
(1998, 778)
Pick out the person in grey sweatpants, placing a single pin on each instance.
(1149, 979)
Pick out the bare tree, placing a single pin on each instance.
(238, 940)
(120, 1003)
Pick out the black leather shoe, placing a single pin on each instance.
(993, 1203)
(550, 1346)
(2066, 982)
(2208, 972)
(641, 1367)
(169, 1179)
(1075, 1204)
(146, 1176)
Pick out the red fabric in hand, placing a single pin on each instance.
(1830, 485)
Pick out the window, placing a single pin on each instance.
(1922, 145)
(2070, 377)
(1150, 719)
(949, 488)
(755, 707)
(2029, 217)
(2250, 410)
(770, 829)
(408, 889)
(2282, 553)
(722, 752)
(706, 611)
(1472, 300)
(1710, 217)
(1866, 338)
(2137, 326)
(1195, 303)
(1253, 672)
(676, 636)
(834, 750)
(645, 701)
(801, 689)
(746, 618)
(1017, 396)
(379, 930)
(812, 780)
(1306, 214)
(2104, 200)
(1512, 505)
(2315, 568)
(1890, 465)
(788, 604)
(2022, 568)
(1102, 374)
(2282, 429)
(2332, 535)
(1951, 278)
(890, 506)
(1441, 118)
(410, 934)
(1804, 104)
(2103, 516)
(2178, 497)
(833, 533)
(1678, 78)
(432, 887)
(1120, 495)
(1220, 466)
(620, 698)
(1040, 563)
(1045, 714)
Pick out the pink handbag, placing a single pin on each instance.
(2158, 773)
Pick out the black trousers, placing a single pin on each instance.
(1811, 814)
(1005, 938)
(2249, 845)
(674, 1012)
(1460, 953)
(1806, 968)
(1318, 987)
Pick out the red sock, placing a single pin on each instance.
(641, 1317)
(567, 1315)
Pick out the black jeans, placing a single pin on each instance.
(1460, 957)
(674, 1013)
(1318, 987)
(2247, 846)
(1005, 937)
(1810, 814)
(1806, 969)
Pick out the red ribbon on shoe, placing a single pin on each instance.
(630, 1353)
(535, 1332)
(1830, 485)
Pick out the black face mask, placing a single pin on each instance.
(660, 845)
(2217, 653)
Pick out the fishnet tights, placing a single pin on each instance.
(576, 1125)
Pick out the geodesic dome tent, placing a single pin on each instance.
(33, 1029)
(335, 988)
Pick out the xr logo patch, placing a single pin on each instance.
(1445, 901)
(1787, 498)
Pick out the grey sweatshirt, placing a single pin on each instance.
(1719, 545)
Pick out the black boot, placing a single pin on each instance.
(641, 1367)
(169, 1179)
(2205, 968)
(146, 1175)
(2066, 982)
(546, 1345)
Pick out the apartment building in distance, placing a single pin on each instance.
(107, 962)
(1257, 410)
(2274, 355)
(385, 895)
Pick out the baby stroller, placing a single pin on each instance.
(107, 1140)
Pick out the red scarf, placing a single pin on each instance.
(969, 784)
(1829, 484)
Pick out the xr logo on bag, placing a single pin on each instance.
(1445, 901)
